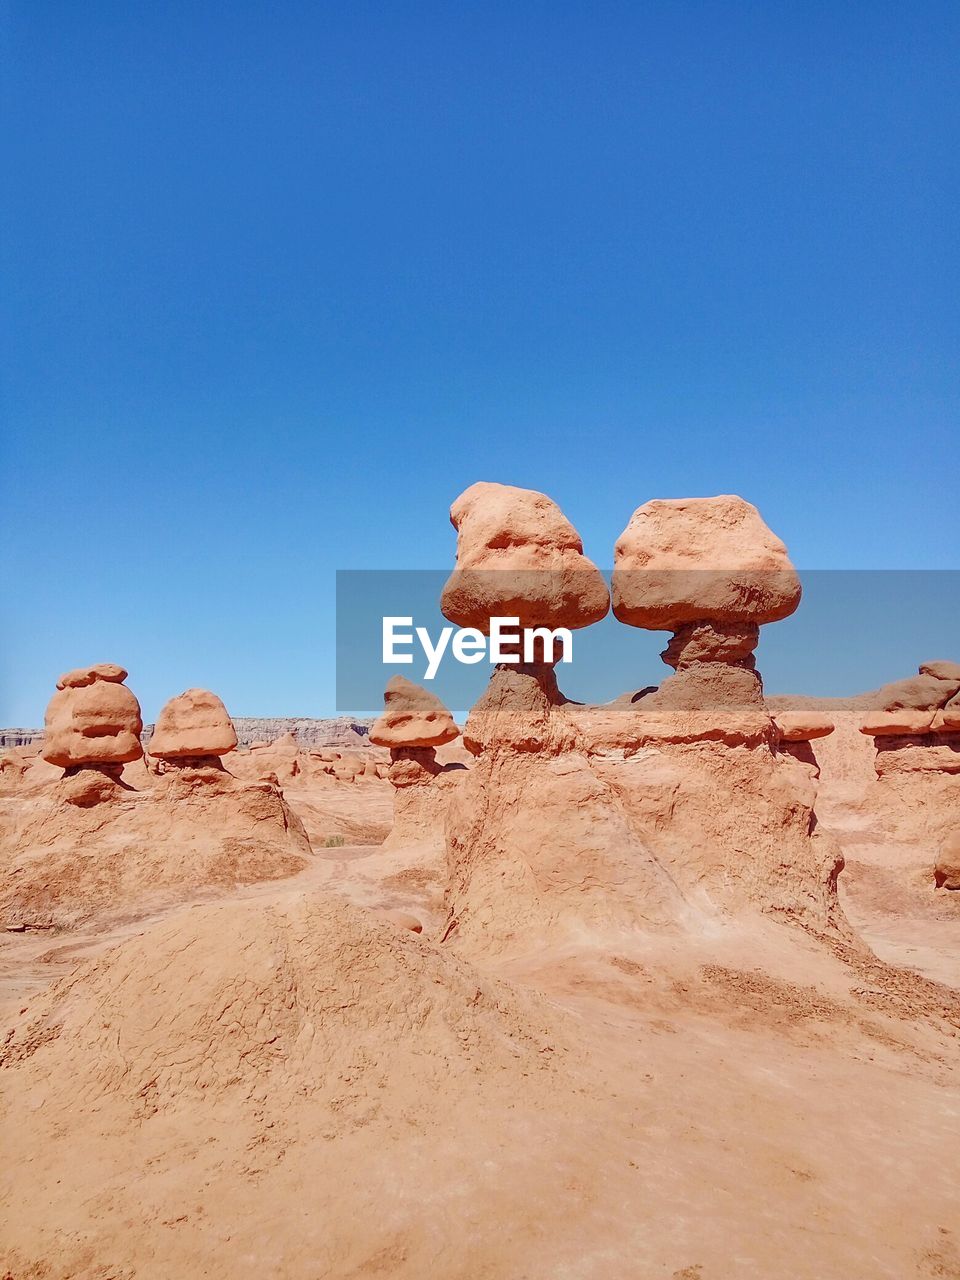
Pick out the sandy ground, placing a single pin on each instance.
(742, 1103)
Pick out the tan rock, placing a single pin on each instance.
(92, 719)
(519, 556)
(947, 718)
(904, 722)
(80, 677)
(683, 560)
(941, 670)
(802, 726)
(193, 724)
(919, 693)
(412, 717)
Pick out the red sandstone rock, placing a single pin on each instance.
(947, 871)
(802, 726)
(194, 724)
(93, 718)
(519, 556)
(412, 717)
(683, 560)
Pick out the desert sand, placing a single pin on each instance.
(667, 987)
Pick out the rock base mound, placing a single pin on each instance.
(90, 846)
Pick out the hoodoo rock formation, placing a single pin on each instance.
(95, 844)
(413, 724)
(537, 843)
(93, 728)
(915, 725)
(710, 571)
(723, 794)
(653, 813)
(193, 727)
(519, 556)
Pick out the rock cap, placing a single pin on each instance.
(195, 723)
(683, 560)
(412, 717)
(93, 718)
(519, 556)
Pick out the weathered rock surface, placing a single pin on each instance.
(194, 724)
(682, 560)
(802, 726)
(412, 717)
(519, 556)
(92, 719)
(947, 870)
(93, 847)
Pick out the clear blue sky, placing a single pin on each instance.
(281, 279)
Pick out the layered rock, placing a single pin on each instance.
(413, 724)
(93, 721)
(915, 726)
(193, 728)
(97, 844)
(721, 793)
(537, 844)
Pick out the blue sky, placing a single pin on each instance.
(281, 279)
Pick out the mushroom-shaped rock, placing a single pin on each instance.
(412, 717)
(518, 556)
(802, 726)
(681, 560)
(946, 873)
(92, 719)
(193, 725)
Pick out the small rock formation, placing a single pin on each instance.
(93, 728)
(710, 571)
(412, 718)
(413, 724)
(946, 874)
(94, 844)
(796, 730)
(915, 725)
(802, 726)
(928, 703)
(193, 729)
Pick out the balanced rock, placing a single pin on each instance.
(92, 720)
(710, 571)
(414, 723)
(80, 677)
(193, 725)
(682, 560)
(412, 717)
(518, 556)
